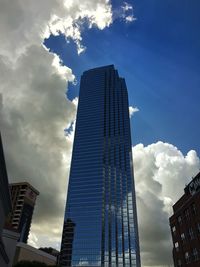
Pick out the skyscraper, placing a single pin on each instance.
(101, 205)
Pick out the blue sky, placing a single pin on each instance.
(158, 54)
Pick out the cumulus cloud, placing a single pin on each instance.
(34, 115)
(22, 24)
(132, 110)
(70, 19)
(75, 101)
(161, 172)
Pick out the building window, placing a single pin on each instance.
(187, 257)
(176, 245)
(174, 229)
(183, 237)
(195, 254)
(191, 233)
(179, 220)
(187, 214)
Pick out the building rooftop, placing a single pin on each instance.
(99, 68)
(26, 183)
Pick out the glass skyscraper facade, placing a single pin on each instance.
(100, 224)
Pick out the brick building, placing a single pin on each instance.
(185, 226)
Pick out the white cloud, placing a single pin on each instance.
(70, 130)
(74, 14)
(22, 24)
(63, 71)
(34, 115)
(33, 240)
(127, 12)
(161, 172)
(126, 6)
(132, 110)
(75, 101)
(130, 18)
